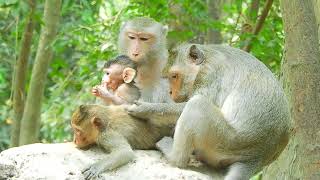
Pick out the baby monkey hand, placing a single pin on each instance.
(101, 91)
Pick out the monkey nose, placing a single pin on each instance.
(135, 54)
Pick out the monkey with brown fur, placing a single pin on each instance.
(111, 128)
(118, 78)
(236, 114)
(144, 41)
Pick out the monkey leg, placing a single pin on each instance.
(165, 145)
(111, 161)
(182, 147)
(201, 126)
(120, 154)
(241, 171)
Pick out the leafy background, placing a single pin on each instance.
(88, 34)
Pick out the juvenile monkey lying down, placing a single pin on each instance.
(111, 128)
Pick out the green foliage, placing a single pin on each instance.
(268, 44)
(88, 34)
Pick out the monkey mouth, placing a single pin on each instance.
(112, 87)
(135, 59)
(139, 58)
(180, 98)
(86, 147)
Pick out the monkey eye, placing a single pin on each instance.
(132, 37)
(77, 131)
(144, 39)
(107, 73)
(174, 76)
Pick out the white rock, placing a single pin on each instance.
(64, 161)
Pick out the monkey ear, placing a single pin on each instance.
(196, 55)
(165, 30)
(82, 108)
(123, 25)
(128, 75)
(97, 122)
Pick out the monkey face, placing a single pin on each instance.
(139, 44)
(84, 140)
(85, 127)
(183, 74)
(84, 135)
(176, 82)
(112, 78)
(181, 82)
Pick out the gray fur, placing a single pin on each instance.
(238, 106)
(236, 115)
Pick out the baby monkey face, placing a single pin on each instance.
(112, 77)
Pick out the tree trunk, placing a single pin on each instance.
(316, 5)
(214, 10)
(30, 123)
(19, 81)
(301, 77)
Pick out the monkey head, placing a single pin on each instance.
(118, 71)
(86, 125)
(184, 72)
(141, 37)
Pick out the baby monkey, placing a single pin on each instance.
(117, 86)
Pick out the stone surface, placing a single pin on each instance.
(64, 161)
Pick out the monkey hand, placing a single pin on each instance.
(95, 91)
(178, 160)
(92, 171)
(103, 92)
(140, 109)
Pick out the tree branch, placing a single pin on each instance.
(20, 74)
(259, 24)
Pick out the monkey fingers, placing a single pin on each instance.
(103, 92)
(91, 172)
(139, 110)
(95, 91)
(136, 102)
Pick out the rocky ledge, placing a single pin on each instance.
(65, 161)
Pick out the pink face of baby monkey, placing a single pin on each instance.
(113, 78)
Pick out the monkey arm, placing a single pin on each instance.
(158, 111)
(120, 154)
(116, 100)
(108, 96)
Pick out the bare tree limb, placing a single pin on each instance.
(214, 10)
(19, 79)
(30, 122)
(259, 24)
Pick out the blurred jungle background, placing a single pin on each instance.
(86, 35)
(88, 32)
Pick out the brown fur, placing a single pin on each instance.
(111, 128)
(140, 134)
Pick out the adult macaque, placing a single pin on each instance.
(114, 130)
(117, 83)
(236, 115)
(144, 41)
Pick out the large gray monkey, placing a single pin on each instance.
(144, 41)
(236, 115)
